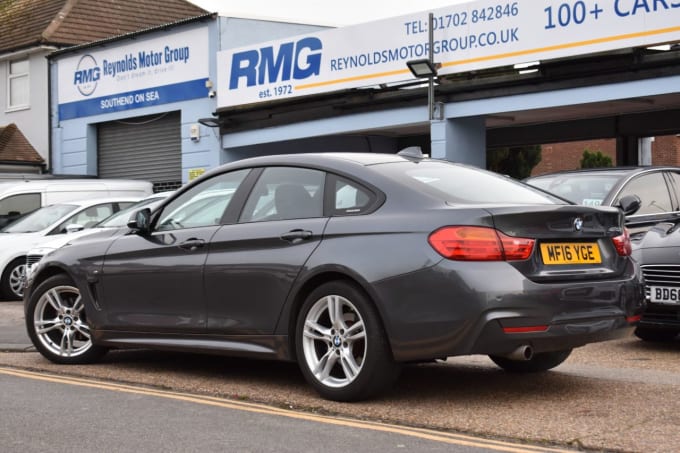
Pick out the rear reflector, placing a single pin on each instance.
(525, 329)
(472, 243)
(633, 319)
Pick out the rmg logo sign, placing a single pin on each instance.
(86, 75)
(292, 60)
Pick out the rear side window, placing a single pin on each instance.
(284, 193)
(464, 185)
(350, 198)
(14, 206)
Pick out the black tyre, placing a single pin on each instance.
(655, 335)
(13, 278)
(542, 361)
(341, 345)
(57, 323)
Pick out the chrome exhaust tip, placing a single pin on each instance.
(523, 353)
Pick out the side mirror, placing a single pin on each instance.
(140, 221)
(74, 227)
(629, 204)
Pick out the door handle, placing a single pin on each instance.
(294, 236)
(192, 244)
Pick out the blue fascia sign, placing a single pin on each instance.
(146, 73)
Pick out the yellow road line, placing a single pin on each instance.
(500, 56)
(427, 434)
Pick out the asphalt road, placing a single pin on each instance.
(614, 396)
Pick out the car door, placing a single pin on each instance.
(656, 203)
(154, 281)
(252, 264)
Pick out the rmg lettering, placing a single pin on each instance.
(296, 60)
(86, 76)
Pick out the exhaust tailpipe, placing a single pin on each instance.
(523, 353)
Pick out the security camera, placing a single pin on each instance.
(212, 93)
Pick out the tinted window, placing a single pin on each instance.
(285, 193)
(14, 206)
(653, 192)
(461, 184)
(203, 204)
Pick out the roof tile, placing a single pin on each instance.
(14, 147)
(27, 23)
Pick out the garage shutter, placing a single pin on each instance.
(148, 148)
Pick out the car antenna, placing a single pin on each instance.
(412, 152)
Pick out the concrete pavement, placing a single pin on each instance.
(13, 336)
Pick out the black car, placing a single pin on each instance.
(658, 253)
(658, 189)
(351, 264)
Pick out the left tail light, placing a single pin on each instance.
(623, 244)
(473, 243)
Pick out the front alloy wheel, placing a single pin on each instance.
(57, 323)
(341, 345)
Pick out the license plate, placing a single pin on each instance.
(664, 295)
(571, 253)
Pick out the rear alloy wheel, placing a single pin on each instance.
(57, 323)
(13, 279)
(341, 346)
(541, 361)
(655, 335)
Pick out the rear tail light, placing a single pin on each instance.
(471, 243)
(622, 243)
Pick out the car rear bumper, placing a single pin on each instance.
(490, 308)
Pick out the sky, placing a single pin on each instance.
(321, 12)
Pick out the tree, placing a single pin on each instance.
(595, 160)
(515, 161)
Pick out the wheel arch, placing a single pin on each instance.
(314, 281)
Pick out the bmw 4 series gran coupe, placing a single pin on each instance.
(350, 264)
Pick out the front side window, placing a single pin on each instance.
(203, 205)
(284, 193)
(653, 192)
(18, 84)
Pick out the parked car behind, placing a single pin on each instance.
(658, 189)
(42, 226)
(18, 198)
(117, 220)
(350, 264)
(658, 253)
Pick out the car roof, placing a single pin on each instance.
(616, 171)
(96, 201)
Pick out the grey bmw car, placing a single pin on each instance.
(350, 264)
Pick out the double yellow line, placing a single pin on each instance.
(426, 434)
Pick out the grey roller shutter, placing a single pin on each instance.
(148, 148)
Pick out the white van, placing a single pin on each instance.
(18, 198)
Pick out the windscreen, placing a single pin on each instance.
(461, 184)
(40, 219)
(582, 188)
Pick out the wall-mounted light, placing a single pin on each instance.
(210, 122)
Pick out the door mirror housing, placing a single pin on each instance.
(140, 221)
(629, 204)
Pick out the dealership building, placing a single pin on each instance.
(169, 103)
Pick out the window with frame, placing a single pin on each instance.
(351, 198)
(18, 84)
(285, 193)
(203, 205)
(653, 193)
